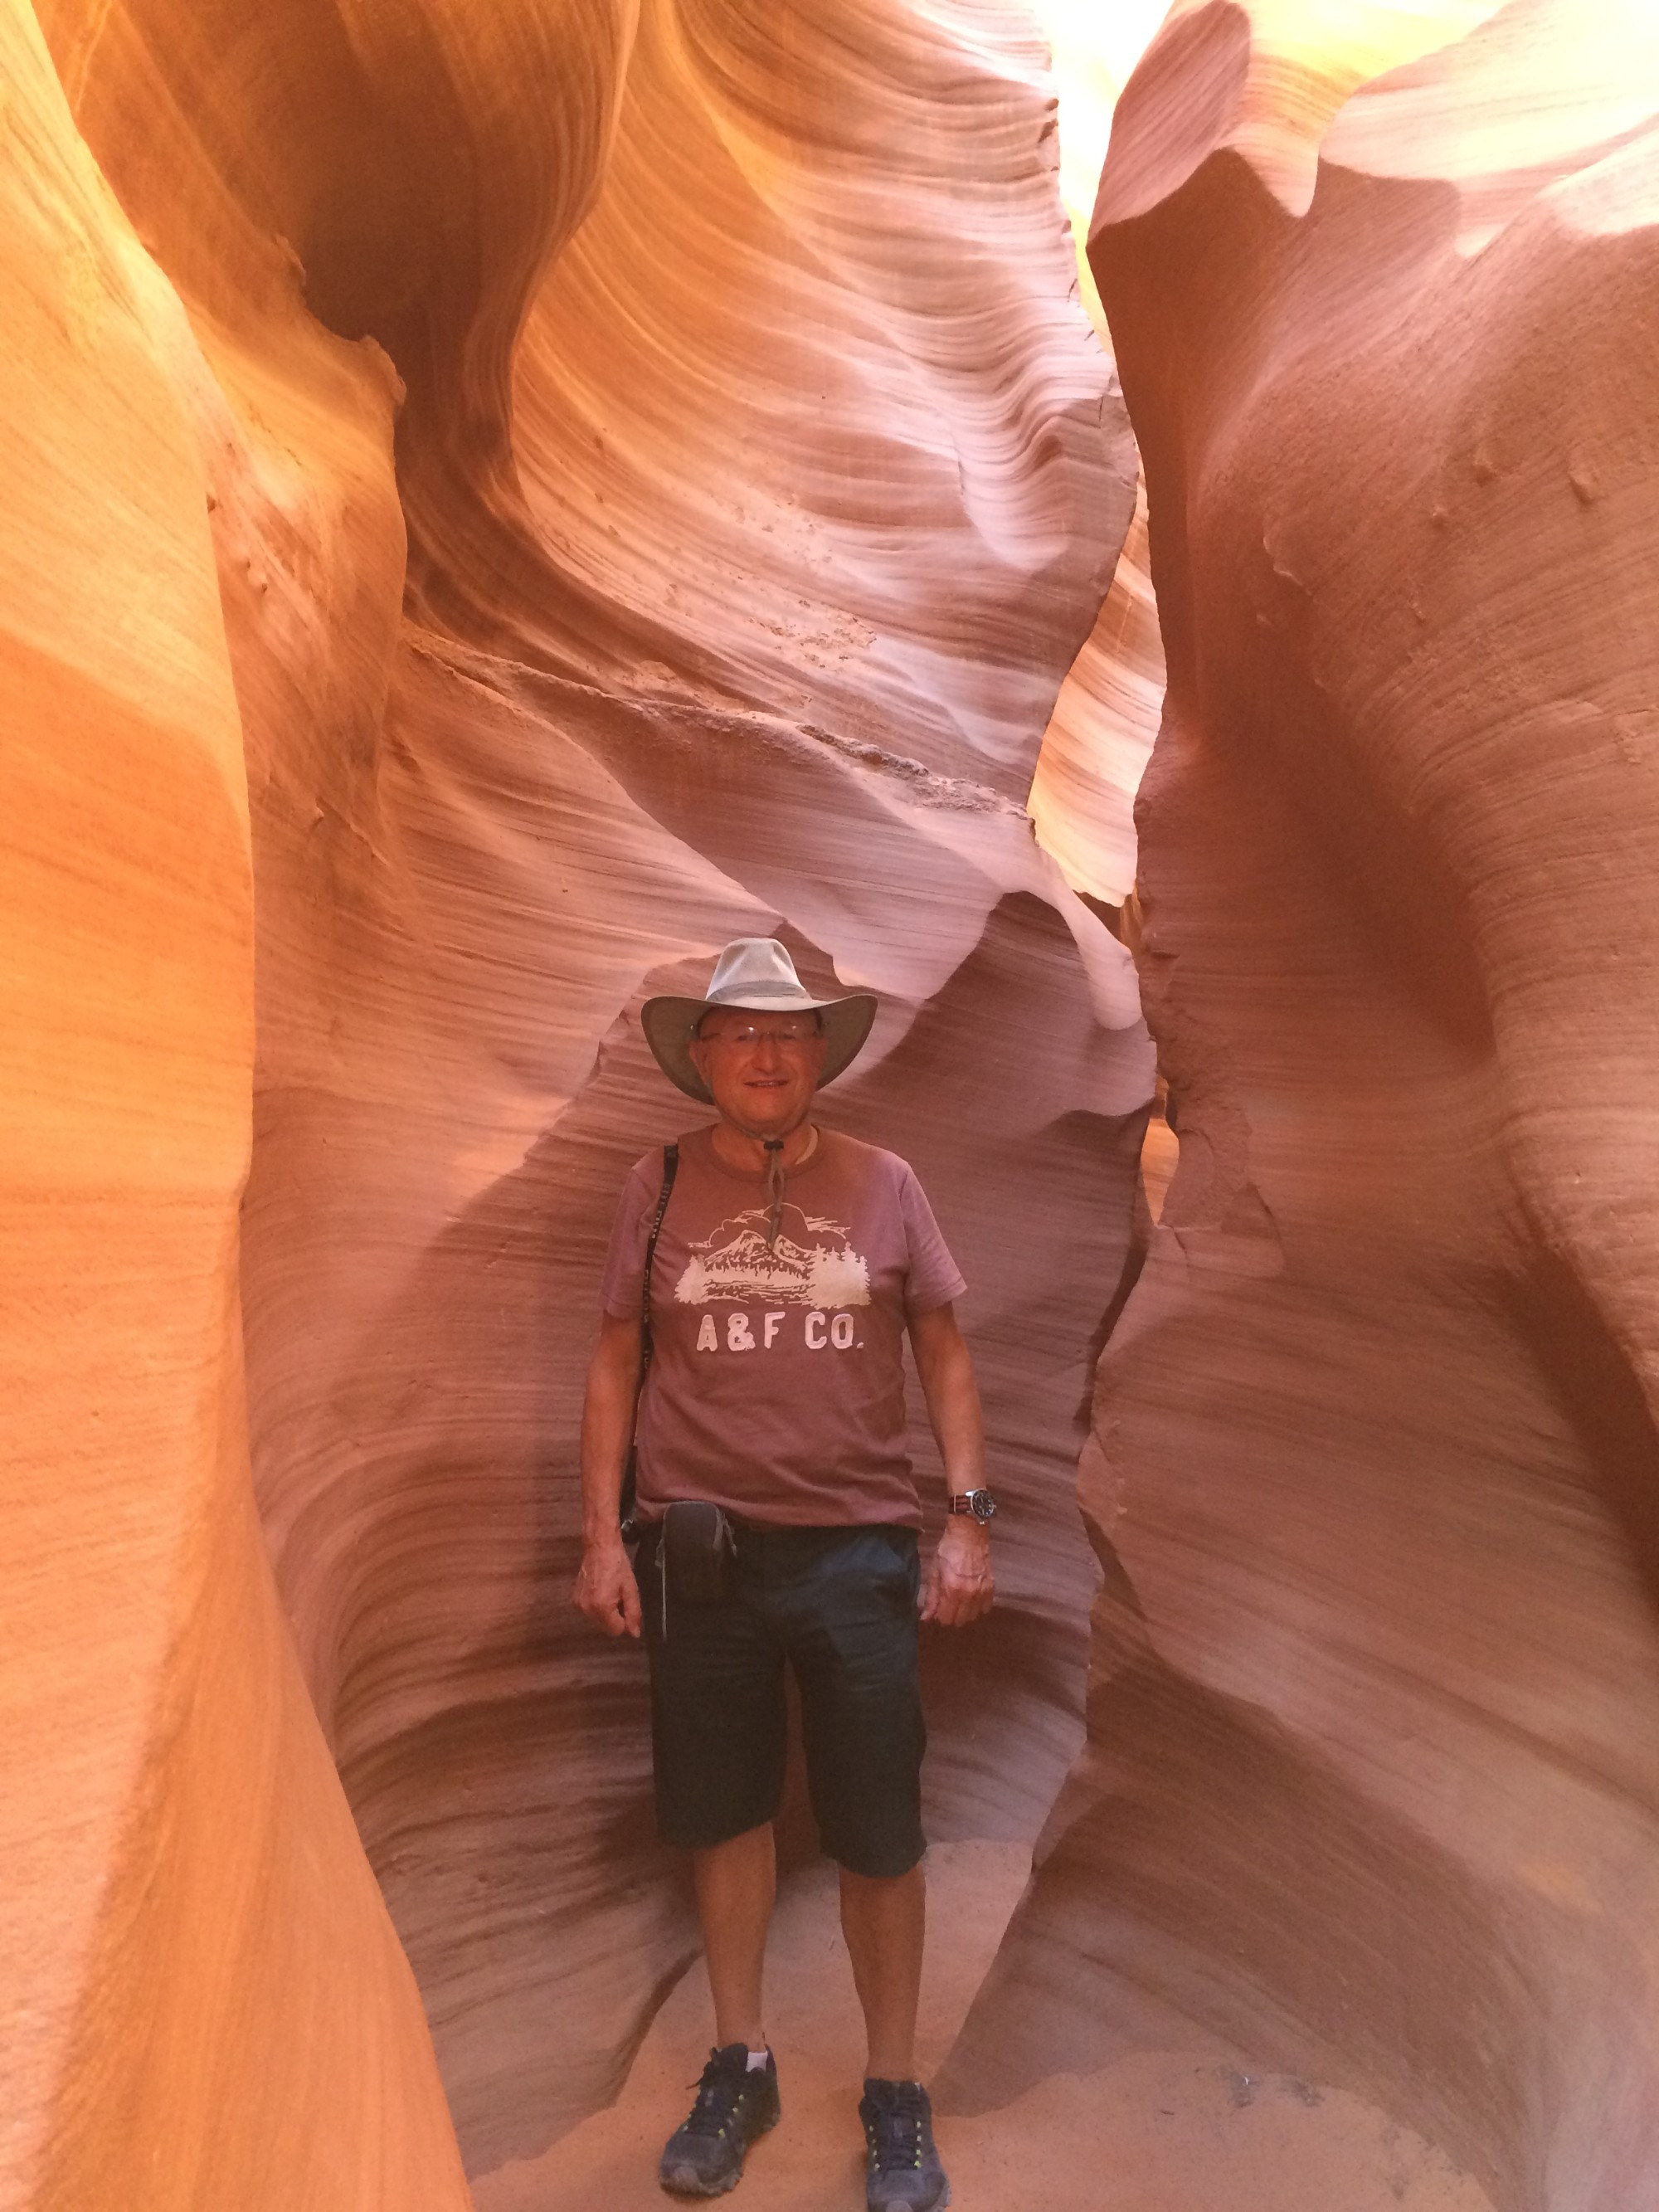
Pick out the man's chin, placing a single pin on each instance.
(760, 1119)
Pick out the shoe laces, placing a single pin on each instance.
(719, 2094)
(896, 2127)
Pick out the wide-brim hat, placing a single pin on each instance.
(756, 974)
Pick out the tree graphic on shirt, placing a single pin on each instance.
(811, 1264)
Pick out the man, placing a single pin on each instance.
(791, 1262)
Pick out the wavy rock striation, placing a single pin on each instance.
(1372, 1788)
(659, 474)
(202, 2001)
(1101, 735)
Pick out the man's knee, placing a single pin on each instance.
(875, 1888)
(735, 1852)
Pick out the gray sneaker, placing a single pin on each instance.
(734, 2105)
(903, 2172)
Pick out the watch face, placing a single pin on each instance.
(984, 1504)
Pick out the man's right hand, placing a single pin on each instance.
(606, 1591)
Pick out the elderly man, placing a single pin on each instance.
(762, 1275)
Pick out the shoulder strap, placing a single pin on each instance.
(670, 1163)
(670, 1160)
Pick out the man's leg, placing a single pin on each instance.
(882, 1919)
(854, 1647)
(717, 1714)
(737, 1881)
(738, 2096)
(854, 1654)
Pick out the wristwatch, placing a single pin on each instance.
(979, 1503)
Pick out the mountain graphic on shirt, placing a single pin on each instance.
(811, 1264)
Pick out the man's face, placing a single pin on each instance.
(763, 1068)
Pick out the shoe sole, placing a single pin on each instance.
(691, 2184)
(939, 2203)
(688, 2184)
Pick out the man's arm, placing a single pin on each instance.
(960, 1586)
(605, 1589)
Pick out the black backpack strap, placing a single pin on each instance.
(670, 1166)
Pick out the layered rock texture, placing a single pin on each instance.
(1101, 734)
(188, 1918)
(502, 499)
(1372, 1790)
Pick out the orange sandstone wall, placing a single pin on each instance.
(1372, 1795)
(202, 2001)
(659, 473)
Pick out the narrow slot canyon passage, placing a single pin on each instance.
(1168, 2129)
(1127, 532)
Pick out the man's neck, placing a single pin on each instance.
(740, 1149)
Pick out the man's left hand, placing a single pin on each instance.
(960, 1585)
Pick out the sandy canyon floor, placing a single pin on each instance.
(1156, 2133)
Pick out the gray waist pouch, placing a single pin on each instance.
(697, 1551)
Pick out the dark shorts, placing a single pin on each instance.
(839, 1606)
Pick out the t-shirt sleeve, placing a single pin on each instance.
(623, 1279)
(932, 1278)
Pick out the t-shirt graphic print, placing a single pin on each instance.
(777, 1384)
(812, 1263)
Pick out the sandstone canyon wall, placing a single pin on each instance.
(1372, 1794)
(501, 498)
(187, 1917)
(656, 472)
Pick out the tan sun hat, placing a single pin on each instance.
(758, 975)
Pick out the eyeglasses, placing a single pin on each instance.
(786, 1035)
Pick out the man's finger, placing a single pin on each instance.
(630, 1606)
(956, 1600)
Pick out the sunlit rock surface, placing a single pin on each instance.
(201, 2000)
(1101, 733)
(1373, 1790)
(658, 472)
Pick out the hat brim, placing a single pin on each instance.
(670, 1024)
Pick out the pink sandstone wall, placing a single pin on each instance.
(1372, 1793)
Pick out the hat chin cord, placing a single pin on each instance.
(773, 1147)
(773, 1187)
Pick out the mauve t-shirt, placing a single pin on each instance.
(777, 1380)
